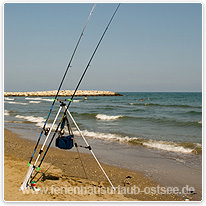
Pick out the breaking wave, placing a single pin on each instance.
(39, 98)
(107, 117)
(77, 100)
(6, 113)
(7, 98)
(161, 145)
(34, 102)
(104, 136)
(48, 100)
(38, 120)
(192, 148)
(185, 147)
(17, 103)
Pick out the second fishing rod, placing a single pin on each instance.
(54, 100)
(70, 101)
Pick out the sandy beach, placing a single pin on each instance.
(62, 169)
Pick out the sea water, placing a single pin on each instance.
(169, 123)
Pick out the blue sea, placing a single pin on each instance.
(170, 123)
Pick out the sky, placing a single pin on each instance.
(149, 47)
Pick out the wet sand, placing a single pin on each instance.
(64, 169)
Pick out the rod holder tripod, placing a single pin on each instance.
(33, 167)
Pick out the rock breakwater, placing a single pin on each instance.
(63, 93)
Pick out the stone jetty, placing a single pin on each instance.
(62, 93)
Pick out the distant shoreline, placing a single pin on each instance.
(63, 93)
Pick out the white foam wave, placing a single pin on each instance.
(34, 102)
(6, 113)
(77, 100)
(161, 145)
(180, 160)
(39, 98)
(166, 146)
(33, 98)
(47, 100)
(7, 98)
(104, 136)
(17, 103)
(107, 117)
(38, 120)
(198, 144)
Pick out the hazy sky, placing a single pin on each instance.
(148, 47)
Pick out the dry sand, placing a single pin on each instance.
(65, 171)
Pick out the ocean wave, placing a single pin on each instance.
(6, 113)
(104, 136)
(47, 100)
(38, 120)
(33, 98)
(195, 113)
(168, 121)
(184, 147)
(107, 117)
(13, 121)
(102, 117)
(34, 102)
(163, 145)
(192, 148)
(39, 98)
(77, 100)
(163, 105)
(91, 115)
(182, 105)
(16, 103)
(7, 98)
(144, 104)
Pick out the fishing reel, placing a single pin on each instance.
(46, 131)
(61, 132)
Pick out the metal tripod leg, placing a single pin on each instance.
(77, 148)
(90, 149)
(32, 167)
(47, 136)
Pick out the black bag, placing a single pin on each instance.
(65, 142)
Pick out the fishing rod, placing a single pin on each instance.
(70, 100)
(69, 65)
